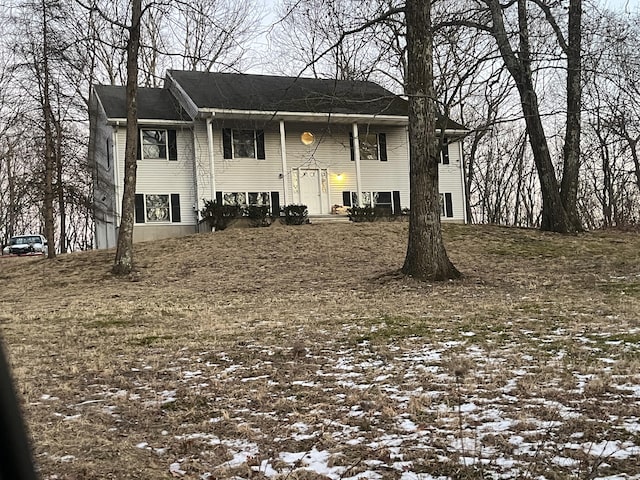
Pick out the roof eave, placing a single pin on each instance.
(148, 121)
(303, 116)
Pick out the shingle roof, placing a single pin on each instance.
(153, 103)
(288, 94)
(264, 93)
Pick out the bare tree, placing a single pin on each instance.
(123, 264)
(559, 212)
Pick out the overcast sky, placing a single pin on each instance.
(261, 62)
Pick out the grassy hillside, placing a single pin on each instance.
(301, 353)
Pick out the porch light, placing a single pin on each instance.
(340, 177)
(307, 138)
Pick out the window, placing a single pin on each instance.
(157, 144)
(157, 208)
(154, 144)
(444, 152)
(246, 198)
(369, 147)
(446, 205)
(243, 144)
(373, 146)
(387, 200)
(382, 199)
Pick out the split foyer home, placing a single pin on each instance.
(257, 140)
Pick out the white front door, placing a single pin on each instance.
(310, 190)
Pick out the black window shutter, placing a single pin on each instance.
(260, 144)
(445, 152)
(275, 204)
(172, 144)
(346, 199)
(226, 143)
(139, 208)
(219, 198)
(397, 209)
(175, 207)
(353, 156)
(382, 146)
(139, 147)
(448, 203)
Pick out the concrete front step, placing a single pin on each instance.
(329, 219)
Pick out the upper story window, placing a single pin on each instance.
(157, 144)
(154, 144)
(369, 147)
(444, 152)
(243, 143)
(373, 146)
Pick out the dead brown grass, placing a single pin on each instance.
(238, 335)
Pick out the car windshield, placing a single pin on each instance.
(24, 240)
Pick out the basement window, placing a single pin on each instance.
(157, 208)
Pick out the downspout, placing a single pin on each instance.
(464, 197)
(212, 177)
(283, 151)
(196, 184)
(116, 175)
(356, 157)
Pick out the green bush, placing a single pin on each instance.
(370, 214)
(296, 214)
(259, 216)
(362, 214)
(219, 216)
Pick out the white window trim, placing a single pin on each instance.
(372, 198)
(166, 143)
(360, 142)
(246, 196)
(158, 222)
(146, 208)
(233, 144)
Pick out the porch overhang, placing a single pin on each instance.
(309, 117)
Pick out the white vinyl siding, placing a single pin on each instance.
(450, 181)
(330, 151)
(247, 174)
(392, 174)
(154, 177)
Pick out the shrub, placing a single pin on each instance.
(295, 214)
(219, 216)
(362, 214)
(259, 216)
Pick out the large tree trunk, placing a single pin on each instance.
(554, 216)
(62, 213)
(426, 257)
(124, 253)
(571, 168)
(49, 148)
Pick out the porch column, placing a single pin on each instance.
(464, 193)
(283, 153)
(196, 181)
(356, 157)
(212, 176)
(116, 174)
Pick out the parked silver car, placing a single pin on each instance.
(26, 245)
